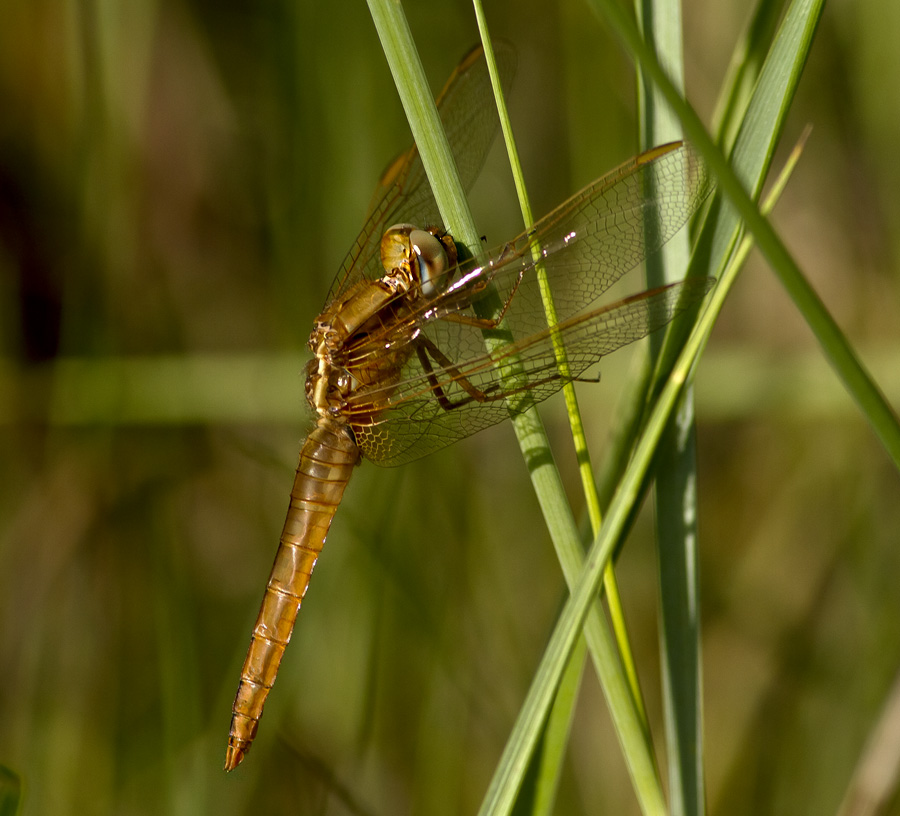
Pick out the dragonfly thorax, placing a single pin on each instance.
(327, 386)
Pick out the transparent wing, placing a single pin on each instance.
(403, 195)
(439, 405)
(584, 246)
(604, 231)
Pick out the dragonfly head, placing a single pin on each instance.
(422, 256)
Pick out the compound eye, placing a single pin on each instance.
(433, 262)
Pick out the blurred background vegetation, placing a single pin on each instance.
(178, 183)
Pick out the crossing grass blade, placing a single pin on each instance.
(400, 52)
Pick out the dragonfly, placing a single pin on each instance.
(421, 344)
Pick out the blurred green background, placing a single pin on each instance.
(178, 182)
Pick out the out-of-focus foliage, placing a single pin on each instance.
(178, 183)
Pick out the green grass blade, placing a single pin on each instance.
(758, 134)
(838, 351)
(757, 137)
(508, 776)
(679, 582)
(676, 468)
(527, 730)
(538, 795)
(549, 774)
(743, 70)
(424, 121)
(400, 52)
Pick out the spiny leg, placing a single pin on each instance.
(425, 348)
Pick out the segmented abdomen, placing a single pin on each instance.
(326, 462)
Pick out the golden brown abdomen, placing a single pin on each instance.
(326, 462)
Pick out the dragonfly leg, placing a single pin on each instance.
(424, 348)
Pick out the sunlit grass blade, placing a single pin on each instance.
(675, 471)
(676, 510)
(526, 731)
(586, 471)
(754, 147)
(740, 255)
(839, 352)
(505, 781)
(746, 62)
(537, 796)
(425, 124)
(424, 121)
